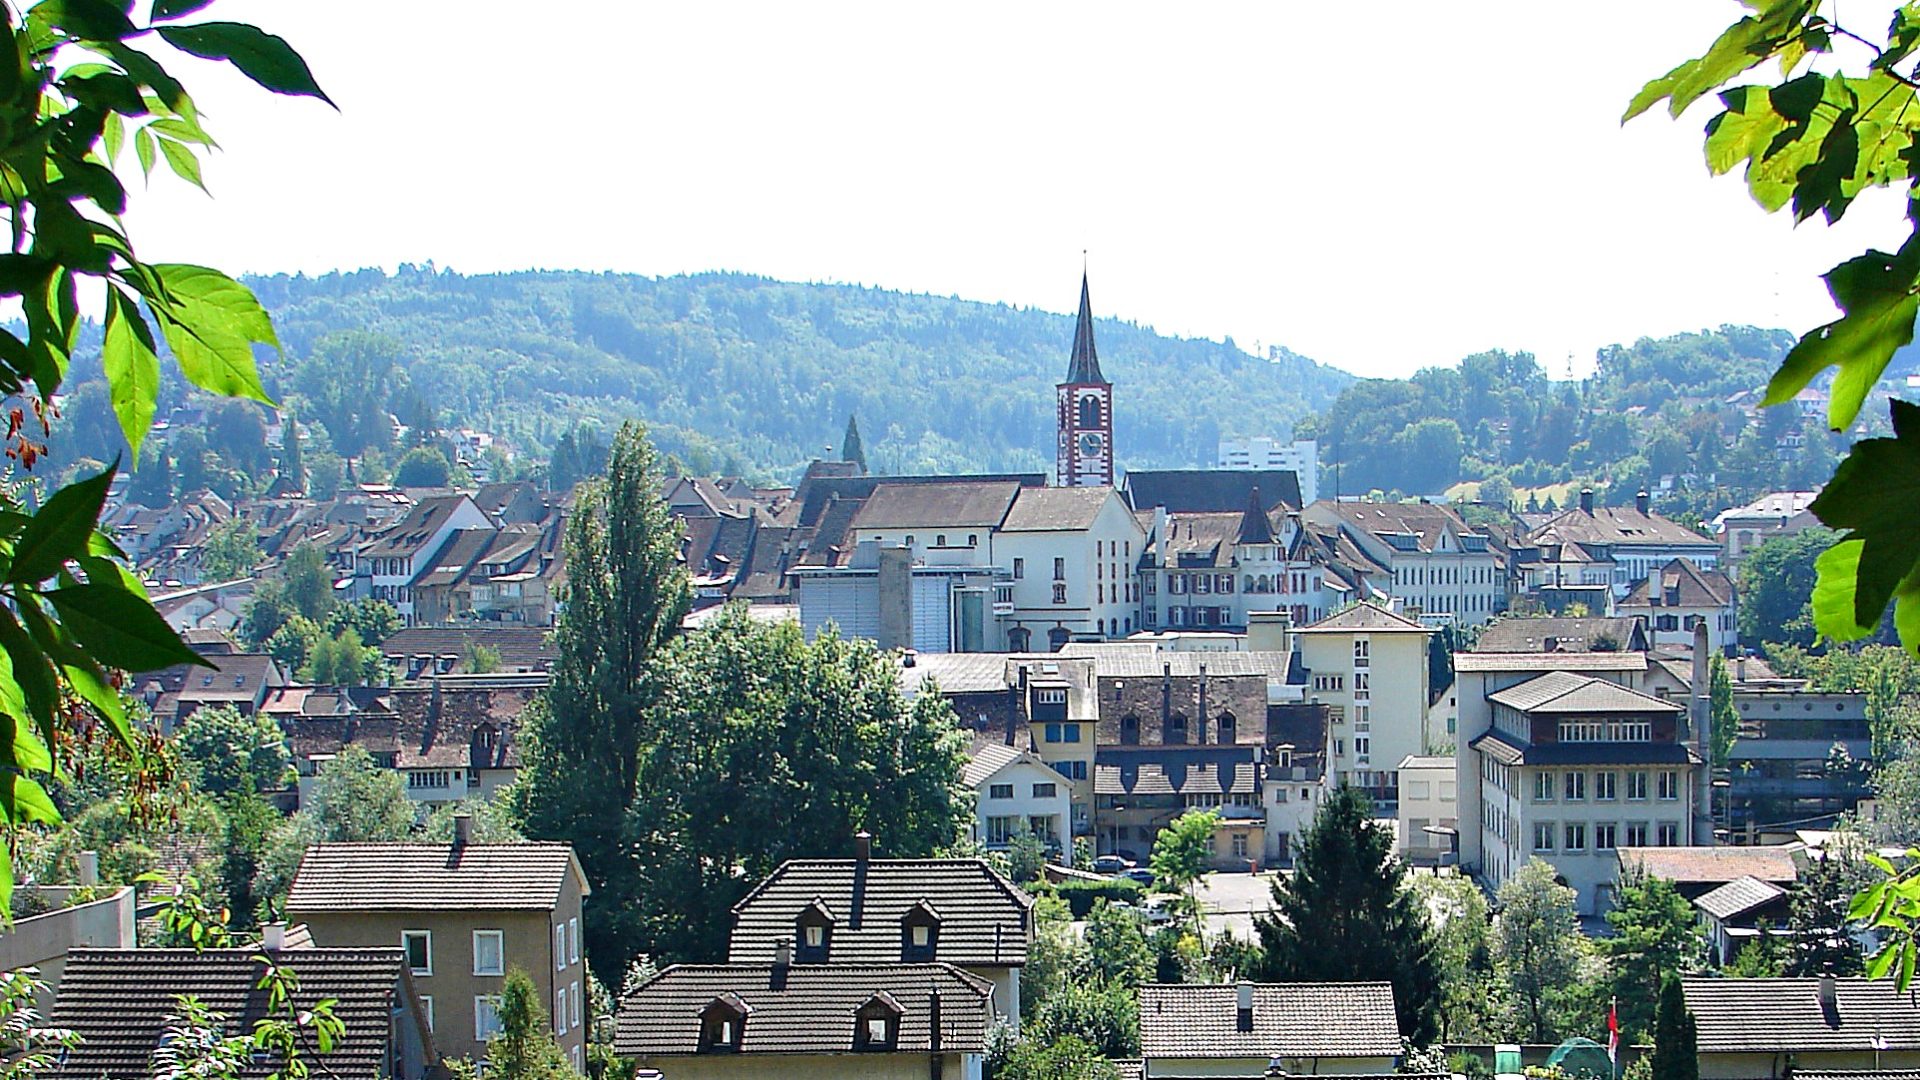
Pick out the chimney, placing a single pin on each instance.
(783, 953)
(1642, 502)
(1243, 1006)
(1586, 501)
(273, 936)
(862, 852)
(1740, 668)
(1829, 997)
(462, 830)
(1203, 704)
(1700, 710)
(933, 1019)
(89, 868)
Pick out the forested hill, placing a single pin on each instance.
(742, 374)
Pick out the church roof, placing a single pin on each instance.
(1254, 526)
(1085, 366)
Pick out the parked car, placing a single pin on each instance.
(1140, 874)
(1158, 911)
(1111, 864)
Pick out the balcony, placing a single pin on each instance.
(1002, 596)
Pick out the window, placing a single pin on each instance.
(1043, 791)
(1002, 829)
(489, 952)
(426, 1010)
(1019, 569)
(560, 947)
(1072, 732)
(1360, 652)
(1543, 836)
(1576, 837)
(559, 1010)
(1543, 787)
(419, 946)
(573, 940)
(1239, 845)
(1000, 791)
(1669, 785)
(1603, 837)
(1362, 745)
(1636, 834)
(1606, 731)
(876, 1024)
(1603, 786)
(921, 936)
(720, 1024)
(1669, 834)
(1575, 786)
(1059, 592)
(573, 1002)
(1059, 569)
(814, 936)
(486, 1016)
(1637, 788)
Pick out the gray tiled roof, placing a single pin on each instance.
(930, 506)
(1055, 509)
(1188, 491)
(431, 877)
(1368, 617)
(1618, 525)
(1175, 770)
(118, 1001)
(1553, 661)
(810, 1011)
(987, 757)
(984, 918)
(1530, 635)
(1191, 1020)
(1786, 1016)
(1699, 865)
(1739, 896)
(1558, 692)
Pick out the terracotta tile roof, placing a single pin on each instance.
(1524, 635)
(1192, 1020)
(1786, 1016)
(1682, 585)
(1562, 692)
(1054, 509)
(431, 877)
(1618, 525)
(1699, 865)
(984, 918)
(1739, 896)
(807, 1009)
(987, 757)
(118, 1001)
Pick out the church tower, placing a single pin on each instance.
(1085, 450)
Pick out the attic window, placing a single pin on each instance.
(722, 1023)
(876, 1024)
(919, 933)
(813, 934)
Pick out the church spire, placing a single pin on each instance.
(1085, 367)
(1254, 526)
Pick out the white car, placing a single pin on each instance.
(1159, 911)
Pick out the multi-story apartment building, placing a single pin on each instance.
(1300, 457)
(1368, 666)
(1212, 570)
(1631, 541)
(1436, 564)
(465, 914)
(1071, 554)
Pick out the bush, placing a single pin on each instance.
(1080, 895)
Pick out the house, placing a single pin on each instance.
(1369, 667)
(1737, 913)
(465, 914)
(1293, 776)
(1218, 571)
(788, 1018)
(1680, 596)
(456, 739)
(1571, 768)
(1015, 792)
(1631, 541)
(1435, 562)
(119, 1001)
(387, 566)
(1774, 1028)
(1428, 820)
(1330, 1029)
(890, 911)
(1140, 790)
(1072, 554)
(1698, 870)
(240, 681)
(1777, 513)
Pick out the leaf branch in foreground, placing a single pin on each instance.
(1875, 494)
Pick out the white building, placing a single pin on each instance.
(1680, 596)
(1436, 563)
(1777, 513)
(388, 565)
(1071, 553)
(1016, 792)
(1369, 667)
(1262, 452)
(1632, 541)
(1427, 802)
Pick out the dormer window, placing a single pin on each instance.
(813, 933)
(919, 933)
(876, 1024)
(722, 1023)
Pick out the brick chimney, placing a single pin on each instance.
(1586, 501)
(862, 854)
(462, 830)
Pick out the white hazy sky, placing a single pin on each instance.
(1381, 186)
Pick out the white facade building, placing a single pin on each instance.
(1436, 562)
(1369, 667)
(1262, 452)
(1016, 792)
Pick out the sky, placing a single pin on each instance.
(1380, 186)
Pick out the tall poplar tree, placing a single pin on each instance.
(625, 596)
(1676, 1043)
(1347, 915)
(851, 449)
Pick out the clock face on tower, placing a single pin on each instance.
(1091, 443)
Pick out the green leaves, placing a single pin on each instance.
(132, 367)
(211, 323)
(120, 628)
(1877, 293)
(60, 531)
(1875, 493)
(1744, 45)
(260, 56)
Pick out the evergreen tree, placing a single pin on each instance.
(293, 463)
(850, 447)
(1346, 915)
(524, 1049)
(1676, 1048)
(625, 596)
(1654, 935)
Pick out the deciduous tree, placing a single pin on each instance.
(1539, 935)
